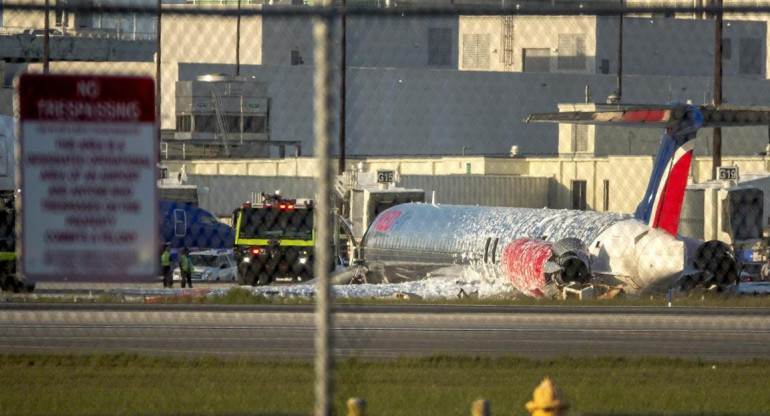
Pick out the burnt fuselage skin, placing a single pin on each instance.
(408, 241)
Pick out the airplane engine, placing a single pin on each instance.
(535, 266)
(716, 260)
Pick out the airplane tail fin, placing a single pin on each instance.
(662, 202)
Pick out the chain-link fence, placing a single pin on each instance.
(411, 152)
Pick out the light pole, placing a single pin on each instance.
(238, 42)
(716, 158)
(46, 38)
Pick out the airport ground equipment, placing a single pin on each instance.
(274, 238)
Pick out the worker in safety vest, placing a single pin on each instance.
(165, 264)
(764, 273)
(185, 266)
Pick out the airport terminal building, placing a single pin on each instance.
(443, 97)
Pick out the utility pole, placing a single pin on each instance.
(619, 82)
(157, 75)
(343, 67)
(238, 42)
(46, 39)
(716, 160)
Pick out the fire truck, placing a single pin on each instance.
(274, 239)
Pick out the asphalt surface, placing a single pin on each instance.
(380, 331)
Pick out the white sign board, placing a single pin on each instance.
(88, 156)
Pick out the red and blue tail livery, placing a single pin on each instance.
(662, 202)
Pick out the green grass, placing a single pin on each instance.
(441, 385)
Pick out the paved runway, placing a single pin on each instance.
(367, 331)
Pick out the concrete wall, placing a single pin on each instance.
(532, 182)
(499, 191)
(18, 19)
(398, 41)
(222, 194)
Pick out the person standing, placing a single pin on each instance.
(185, 266)
(165, 264)
(764, 274)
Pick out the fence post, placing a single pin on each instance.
(323, 126)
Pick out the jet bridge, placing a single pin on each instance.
(361, 197)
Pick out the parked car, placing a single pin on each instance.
(41, 32)
(211, 265)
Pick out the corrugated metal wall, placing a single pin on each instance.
(692, 216)
(498, 191)
(225, 193)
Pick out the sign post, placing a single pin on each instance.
(88, 157)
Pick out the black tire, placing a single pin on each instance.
(246, 276)
(304, 276)
(7, 284)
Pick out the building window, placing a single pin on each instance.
(233, 124)
(296, 58)
(727, 49)
(536, 60)
(59, 15)
(604, 67)
(476, 50)
(184, 124)
(750, 56)
(606, 195)
(254, 124)
(204, 124)
(579, 138)
(572, 52)
(439, 47)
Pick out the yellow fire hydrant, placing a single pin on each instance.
(547, 400)
(356, 406)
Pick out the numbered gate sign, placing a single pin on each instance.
(728, 173)
(385, 176)
(88, 156)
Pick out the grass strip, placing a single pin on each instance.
(125, 384)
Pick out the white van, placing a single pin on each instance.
(211, 265)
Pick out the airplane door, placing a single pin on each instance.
(180, 223)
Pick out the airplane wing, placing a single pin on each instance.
(661, 116)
